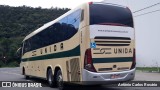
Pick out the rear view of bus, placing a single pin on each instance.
(111, 56)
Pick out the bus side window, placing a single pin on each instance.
(73, 22)
(74, 19)
(26, 46)
(63, 32)
(22, 46)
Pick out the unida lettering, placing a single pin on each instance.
(122, 50)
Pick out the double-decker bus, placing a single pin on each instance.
(91, 44)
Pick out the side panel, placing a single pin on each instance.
(38, 61)
(73, 70)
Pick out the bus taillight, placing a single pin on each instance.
(134, 59)
(88, 64)
(90, 3)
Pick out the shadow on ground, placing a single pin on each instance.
(73, 86)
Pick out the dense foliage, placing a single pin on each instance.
(16, 23)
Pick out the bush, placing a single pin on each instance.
(13, 64)
(2, 64)
(149, 69)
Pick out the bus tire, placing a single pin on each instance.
(26, 76)
(24, 73)
(50, 78)
(59, 80)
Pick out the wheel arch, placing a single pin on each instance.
(23, 70)
(54, 70)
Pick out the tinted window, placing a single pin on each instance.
(27, 46)
(60, 31)
(73, 23)
(107, 14)
(63, 31)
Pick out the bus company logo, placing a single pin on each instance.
(115, 50)
(6, 84)
(102, 51)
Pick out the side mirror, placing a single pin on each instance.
(19, 52)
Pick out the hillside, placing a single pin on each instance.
(16, 23)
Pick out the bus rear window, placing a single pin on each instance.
(108, 14)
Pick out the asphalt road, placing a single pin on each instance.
(14, 74)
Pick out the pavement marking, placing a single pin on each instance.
(11, 73)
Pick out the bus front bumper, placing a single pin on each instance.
(93, 78)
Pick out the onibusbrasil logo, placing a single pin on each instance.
(21, 84)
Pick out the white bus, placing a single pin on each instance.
(92, 44)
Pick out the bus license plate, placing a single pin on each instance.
(113, 76)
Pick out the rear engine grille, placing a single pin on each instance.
(112, 41)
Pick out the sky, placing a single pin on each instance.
(147, 26)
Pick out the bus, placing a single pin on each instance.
(89, 45)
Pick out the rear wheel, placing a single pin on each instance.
(50, 78)
(59, 80)
(26, 76)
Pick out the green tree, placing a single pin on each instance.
(16, 23)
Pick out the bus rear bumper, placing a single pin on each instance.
(93, 78)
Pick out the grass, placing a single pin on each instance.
(149, 69)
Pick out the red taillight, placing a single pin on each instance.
(90, 3)
(134, 59)
(89, 56)
(88, 64)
